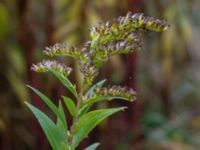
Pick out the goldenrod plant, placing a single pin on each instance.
(119, 36)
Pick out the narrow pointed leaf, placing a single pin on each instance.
(64, 147)
(89, 103)
(103, 98)
(65, 81)
(70, 105)
(59, 124)
(48, 127)
(92, 147)
(97, 85)
(84, 109)
(89, 121)
(51, 105)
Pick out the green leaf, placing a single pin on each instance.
(84, 109)
(97, 85)
(89, 121)
(51, 106)
(61, 110)
(92, 147)
(65, 81)
(70, 105)
(89, 103)
(64, 147)
(103, 98)
(48, 127)
(59, 124)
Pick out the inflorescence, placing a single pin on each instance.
(119, 36)
(47, 65)
(117, 91)
(61, 50)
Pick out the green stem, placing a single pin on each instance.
(75, 119)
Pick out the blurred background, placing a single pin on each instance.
(165, 73)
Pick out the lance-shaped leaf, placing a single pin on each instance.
(59, 124)
(65, 81)
(70, 105)
(89, 121)
(49, 128)
(97, 85)
(66, 147)
(85, 107)
(92, 147)
(51, 105)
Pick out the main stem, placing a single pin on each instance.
(75, 119)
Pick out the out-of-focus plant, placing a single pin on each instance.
(119, 36)
(168, 76)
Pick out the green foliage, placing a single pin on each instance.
(51, 106)
(120, 36)
(53, 133)
(65, 81)
(92, 147)
(70, 105)
(97, 85)
(89, 121)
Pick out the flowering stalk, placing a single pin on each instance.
(119, 36)
(48, 65)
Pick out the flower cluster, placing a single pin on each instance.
(119, 36)
(48, 65)
(117, 91)
(120, 27)
(86, 67)
(62, 50)
(89, 72)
